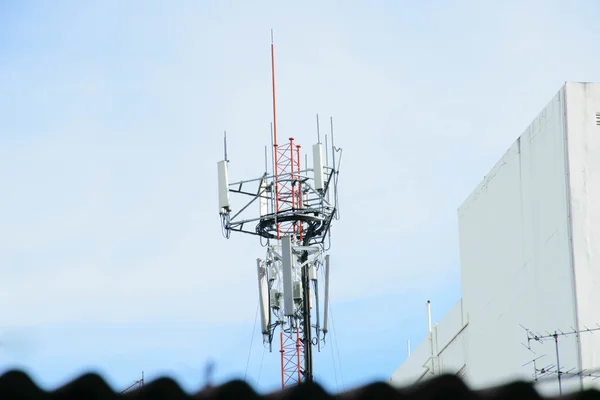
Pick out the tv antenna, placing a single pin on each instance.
(295, 207)
(556, 369)
(135, 385)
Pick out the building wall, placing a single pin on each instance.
(447, 344)
(453, 357)
(515, 254)
(451, 339)
(530, 256)
(414, 368)
(583, 149)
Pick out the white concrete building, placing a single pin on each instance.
(530, 255)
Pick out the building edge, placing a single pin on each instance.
(569, 210)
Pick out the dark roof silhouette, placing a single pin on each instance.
(18, 385)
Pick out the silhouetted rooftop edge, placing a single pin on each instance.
(18, 385)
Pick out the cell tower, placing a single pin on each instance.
(296, 206)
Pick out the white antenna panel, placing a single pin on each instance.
(326, 305)
(224, 205)
(263, 201)
(312, 272)
(275, 295)
(287, 264)
(297, 291)
(318, 166)
(263, 296)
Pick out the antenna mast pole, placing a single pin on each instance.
(308, 372)
(275, 145)
(288, 196)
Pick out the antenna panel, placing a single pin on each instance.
(275, 295)
(297, 291)
(263, 296)
(224, 205)
(287, 264)
(318, 166)
(263, 201)
(326, 300)
(312, 272)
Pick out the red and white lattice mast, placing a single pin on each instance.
(296, 206)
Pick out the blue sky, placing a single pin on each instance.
(111, 120)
